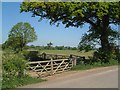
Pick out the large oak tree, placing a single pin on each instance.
(99, 15)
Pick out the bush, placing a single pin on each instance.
(102, 56)
(31, 55)
(13, 67)
(95, 64)
(13, 83)
(13, 64)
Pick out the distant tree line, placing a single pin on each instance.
(51, 47)
(0, 46)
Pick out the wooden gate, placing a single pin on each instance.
(50, 67)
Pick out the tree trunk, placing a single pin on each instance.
(104, 38)
(105, 45)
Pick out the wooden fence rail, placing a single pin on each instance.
(50, 67)
(52, 64)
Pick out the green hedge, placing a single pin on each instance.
(96, 64)
(13, 67)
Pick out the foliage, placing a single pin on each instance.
(99, 15)
(0, 47)
(72, 13)
(15, 82)
(87, 43)
(94, 65)
(101, 56)
(104, 57)
(49, 45)
(14, 66)
(85, 47)
(31, 55)
(20, 35)
(51, 48)
(93, 39)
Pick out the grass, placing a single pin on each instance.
(0, 68)
(98, 64)
(68, 52)
(15, 82)
(86, 54)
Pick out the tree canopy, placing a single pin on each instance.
(20, 35)
(99, 15)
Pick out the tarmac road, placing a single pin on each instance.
(106, 77)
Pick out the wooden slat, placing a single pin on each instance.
(35, 62)
(60, 64)
(55, 65)
(61, 60)
(61, 70)
(44, 67)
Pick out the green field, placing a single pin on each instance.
(68, 52)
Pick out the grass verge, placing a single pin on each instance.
(98, 64)
(15, 82)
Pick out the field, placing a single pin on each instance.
(68, 52)
(0, 68)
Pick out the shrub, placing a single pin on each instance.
(13, 64)
(31, 55)
(13, 83)
(95, 64)
(102, 56)
(13, 71)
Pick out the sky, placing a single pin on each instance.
(46, 33)
(0, 22)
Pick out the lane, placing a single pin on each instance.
(99, 78)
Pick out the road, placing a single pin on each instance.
(106, 77)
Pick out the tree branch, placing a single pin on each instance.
(90, 22)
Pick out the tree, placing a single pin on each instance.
(20, 35)
(86, 44)
(85, 47)
(59, 47)
(99, 15)
(0, 47)
(49, 45)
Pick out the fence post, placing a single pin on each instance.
(71, 59)
(75, 61)
(44, 55)
(51, 66)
